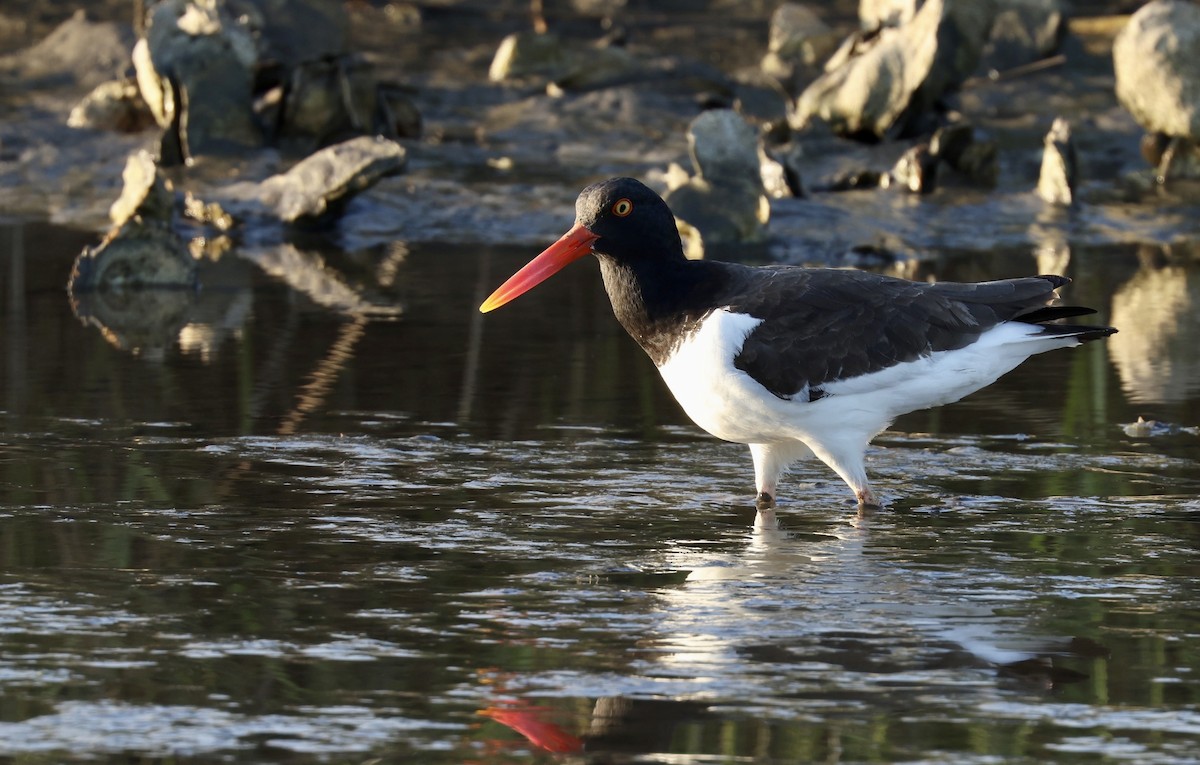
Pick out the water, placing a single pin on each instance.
(323, 511)
(268, 529)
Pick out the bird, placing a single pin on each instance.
(797, 361)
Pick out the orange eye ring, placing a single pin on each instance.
(622, 207)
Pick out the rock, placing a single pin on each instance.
(797, 36)
(156, 91)
(208, 213)
(724, 148)
(12, 28)
(956, 146)
(763, 103)
(1024, 31)
(138, 254)
(330, 177)
(115, 105)
(601, 66)
(723, 203)
(781, 171)
(980, 162)
(1157, 62)
(195, 68)
(775, 179)
(398, 111)
(78, 53)
(292, 32)
(146, 193)
(136, 287)
(544, 56)
(873, 14)
(1060, 166)
(529, 54)
(329, 99)
(950, 141)
(1180, 159)
(794, 27)
(1173, 158)
(916, 170)
(886, 90)
(1153, 146)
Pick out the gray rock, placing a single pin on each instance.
(780, 171)
(1157, 62)
(793, 26)
(79, 53)
(156, 91)
(138, 254)
(887, 88)
(915, 171)
(1180, 159)
(602, 66)
(291, 32)
(330, 98)
(763, 103)
(1024, 31)
(146, 194)
(330, 177)
(546, 57)
(873, 14)
(196, 71)
(723, 203)
(217, 117)
(957, 146)
(797, 35)
(980, 162)
(398, 111)
(724, 148)
(1060, 166)
(950, 141)
(115, 105)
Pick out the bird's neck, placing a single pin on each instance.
(658, 303)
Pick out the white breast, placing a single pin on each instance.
(718, 397)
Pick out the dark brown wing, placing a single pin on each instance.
(822, 325)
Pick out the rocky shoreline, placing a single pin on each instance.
(850, 134)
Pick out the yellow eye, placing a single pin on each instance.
(622, 207)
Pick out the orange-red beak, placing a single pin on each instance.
(571, 247)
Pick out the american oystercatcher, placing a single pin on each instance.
(798, 361)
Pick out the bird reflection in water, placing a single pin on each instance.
(618, 724)
(532, 723)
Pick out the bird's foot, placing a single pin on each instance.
(764, 501)
(867, 500)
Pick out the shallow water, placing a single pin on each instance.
(258, 526)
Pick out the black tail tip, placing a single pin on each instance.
(1095, 333)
